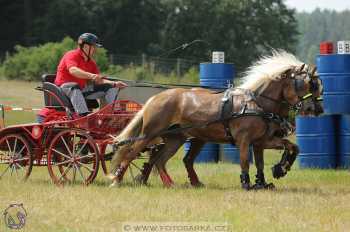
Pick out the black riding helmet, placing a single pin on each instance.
(89, 38)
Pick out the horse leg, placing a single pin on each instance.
(195, 148)
(289, 155)
(260, 182)
(129, 154)
(243, 143)
(142, 178)
(172, 144)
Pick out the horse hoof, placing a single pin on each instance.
(246, 186)
(258, 186)
(169, 186)
(198, 184)
(114, 184)
(111, 177)
(278, 172)
(270, 186)
(140, 180)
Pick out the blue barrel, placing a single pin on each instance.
(209, 153)
(317, 141)
(344, 141)
(334, 71)
(216, 75)
(230, 153)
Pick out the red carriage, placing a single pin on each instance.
(71, 147)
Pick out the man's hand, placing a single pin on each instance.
(120, 84)
(97, 78)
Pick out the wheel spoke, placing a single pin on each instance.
(21, 159)
(85, 166)
(12, 169)
(74, 173)
(14, 147)
(61, 163)
(82, 147)
(64, 155)
(73, 149)
(20, 152)
(9, 147)
(65, 171)
(4, 171)
(81, 174)
(19, 166)
(67, 147)
(89, 155)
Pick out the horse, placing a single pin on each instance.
(309, 106)
(272, 82)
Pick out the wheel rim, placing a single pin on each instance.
(72, 157)
(15, 158)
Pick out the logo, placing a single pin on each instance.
(15, 216)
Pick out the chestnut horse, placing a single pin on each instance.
(269, 84)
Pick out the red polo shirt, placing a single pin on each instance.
(70, 59)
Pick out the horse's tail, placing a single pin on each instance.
(134, 127)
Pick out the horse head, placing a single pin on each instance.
(302, 89)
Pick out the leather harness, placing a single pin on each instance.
(227, 112)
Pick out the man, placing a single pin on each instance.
(79, 77)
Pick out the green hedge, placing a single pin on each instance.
(29, 63)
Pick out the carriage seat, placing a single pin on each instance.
(55, 97)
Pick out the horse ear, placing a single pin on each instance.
(301, 67)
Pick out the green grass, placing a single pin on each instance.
(305, 200)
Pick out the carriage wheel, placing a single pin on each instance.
(73, 157)
(16, 157)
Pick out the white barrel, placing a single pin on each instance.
(218, 57)
(343, 47)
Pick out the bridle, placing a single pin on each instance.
(298, 86)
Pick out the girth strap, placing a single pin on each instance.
(226, 113)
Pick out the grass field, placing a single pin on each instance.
(305, 200)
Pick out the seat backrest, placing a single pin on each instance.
(54, 97)
(48, 78)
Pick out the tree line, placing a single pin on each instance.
(244, 29)
(318, 26)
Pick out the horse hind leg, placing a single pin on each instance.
(147, 167)
(195, 148)
(129, 153)
(172, 144)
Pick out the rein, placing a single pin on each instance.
(162, 85)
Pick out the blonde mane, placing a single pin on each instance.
(267, 69)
